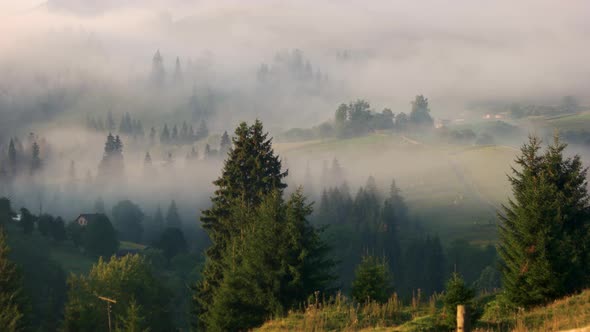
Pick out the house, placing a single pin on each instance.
(86, 218)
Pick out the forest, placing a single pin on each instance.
(273, 166)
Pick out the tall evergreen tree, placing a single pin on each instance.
(544, 227)
(159, 219)
(172, 216)
(178, 77)
(158, 75)
(225, 144)
(250, 172)
(12, 157)
(110, 125)
(11, 294)
(420, 114)
(35, 158)
(165, 135)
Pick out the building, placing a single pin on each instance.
(86, 218)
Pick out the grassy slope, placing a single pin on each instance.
(569, 313)
(452, 190)
(580, 121)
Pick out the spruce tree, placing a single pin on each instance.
(12, 157)
(543, 228)
(172, 216)
(250, 172)
(225, 144)
(11, 294)
(35, 158)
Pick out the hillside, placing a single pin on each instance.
(572, 312)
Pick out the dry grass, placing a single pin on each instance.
(341, 314)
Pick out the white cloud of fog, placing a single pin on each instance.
(452, 52)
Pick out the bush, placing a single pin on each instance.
(372, 281)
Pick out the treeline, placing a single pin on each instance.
(183, 134)
(378, 225)
(358, 118)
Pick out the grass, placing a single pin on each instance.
(580, 121)
(453, 190)
(340, 314)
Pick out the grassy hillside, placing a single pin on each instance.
(453, 190)
(341, 315)
(579, 121)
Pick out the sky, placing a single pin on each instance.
(449, 51)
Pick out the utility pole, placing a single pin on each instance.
(108, 301)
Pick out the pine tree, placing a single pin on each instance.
(225, 144)
(543, 226)
(251, 171)
(174, 135)
(372, 280)
(165, 135)
(158, 75)
(12, 157)
(110, 125)
(420, 114)
(203, 131)
(159, 219)
(152, 136)
(27, 221)
(456, 292)
(35, 158)
(172, 216)
(178, 77)
(11, 294)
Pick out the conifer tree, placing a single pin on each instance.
(372, 280)
(165, 135)
(35, 158)
(250, 172)
(178, 77)
(172, 216)
(174, 135)
(110, 125)
(225, 144)
(159, 219)
(203, 131)
(152, 136)
(543, 226)
(11, 294)
(12, 157)
(158, 75)
(27, 221)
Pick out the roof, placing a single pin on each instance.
(91, 217)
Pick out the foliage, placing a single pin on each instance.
(127, 280)
(251, 171)
(372, 281)
(172, 242)
(172, 216)
(544, 226)
(456, 292)
(11, 294)
(27, 221)
(128, 220)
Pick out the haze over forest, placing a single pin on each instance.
(400, 120)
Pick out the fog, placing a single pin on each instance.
(63, 61)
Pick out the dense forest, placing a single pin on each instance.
(172, 165)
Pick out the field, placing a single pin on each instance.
(580, 121)
(453, 190)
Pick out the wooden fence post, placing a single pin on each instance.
(462, 318)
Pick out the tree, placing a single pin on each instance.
(165, 135)
(250, 172)
(202, 131)
(98, 238)
(44, 224)
(225, 144)
(275, 265)
(178, 77)
(58, 230)
(12, 302)
(152, 136)
(12, 157)
(133, 320)
(5, 211)
(172, 242)
(127, 279)
(158, 75)
(110, 122)
(112, 166)
(35, 158)
(420, 114)
(159, 219)
(543, 225)
(128, 220)
(172, 216)
(456, 292)
(372, 280)
(27, 221)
